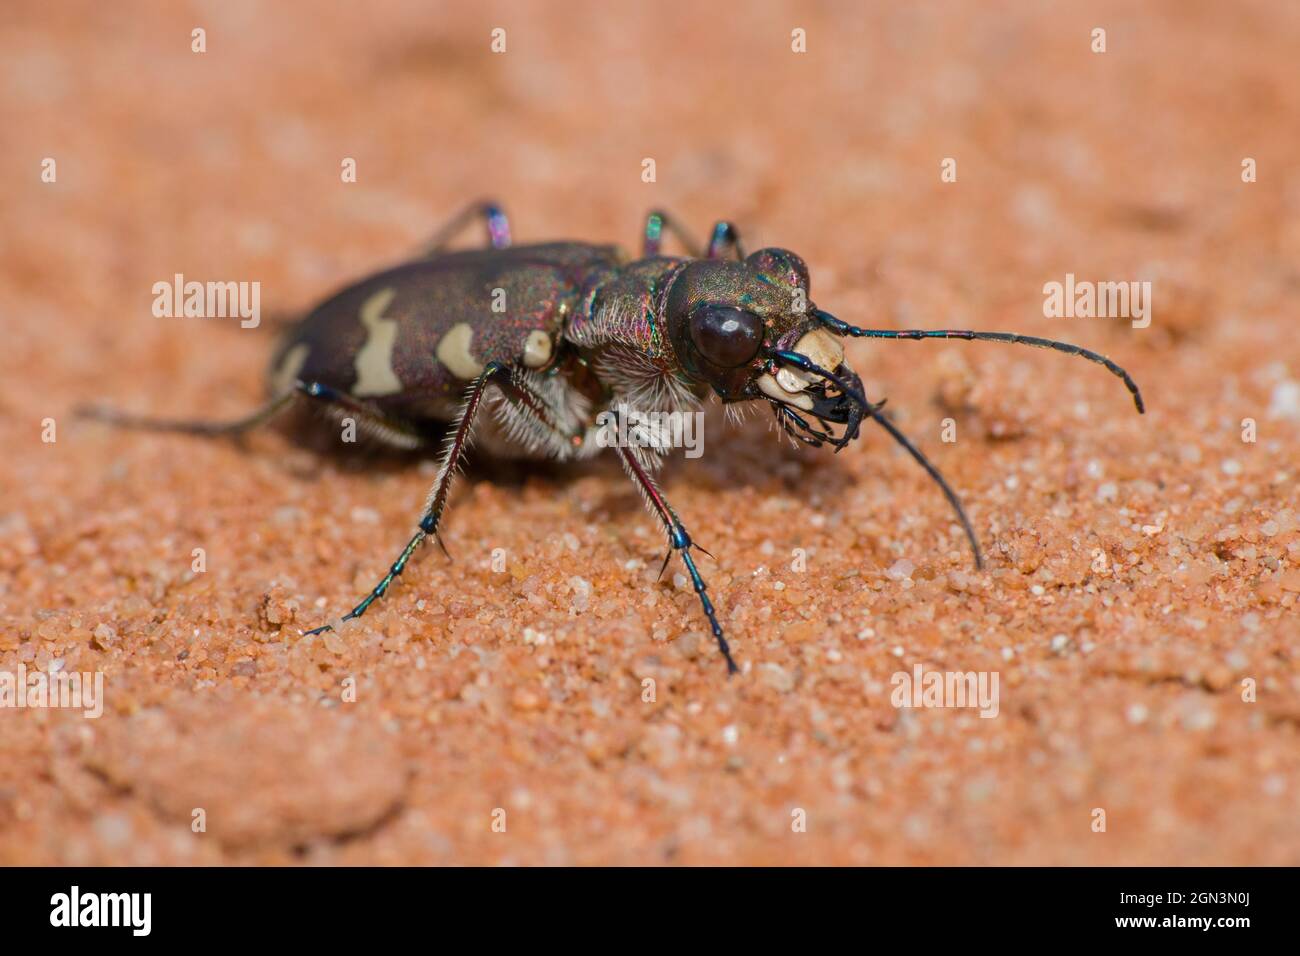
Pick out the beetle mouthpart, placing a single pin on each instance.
(792, 379)
(790, 384)
(787, 396)
(821, 348)
(844, 407)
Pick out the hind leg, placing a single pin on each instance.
(395, 432)
(211, 429)
(493, 216)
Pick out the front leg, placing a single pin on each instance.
(679, 541)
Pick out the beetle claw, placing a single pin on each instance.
(438, 538)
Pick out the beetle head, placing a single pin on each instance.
(730, 322)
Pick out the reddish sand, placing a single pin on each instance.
(1140, 568)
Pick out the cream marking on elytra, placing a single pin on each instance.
(537, 349)
(453, 352)
(286, 373)
(374, 361)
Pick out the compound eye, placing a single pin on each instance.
(725, 336)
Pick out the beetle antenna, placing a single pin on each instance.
(803, 362)
(840, 327)
(948, 493)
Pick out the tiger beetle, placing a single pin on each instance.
(552, 335)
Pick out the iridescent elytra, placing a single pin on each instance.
(552, 335)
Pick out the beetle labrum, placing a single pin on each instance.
(547, 337)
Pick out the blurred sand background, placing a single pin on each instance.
(521, 691)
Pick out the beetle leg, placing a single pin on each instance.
(453, 455)
(680, 542)
(236, 426)
(392, 431)
(724, 236)
(797, 427)
(655, 224)
(493, 216)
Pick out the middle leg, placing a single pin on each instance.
(452, 458)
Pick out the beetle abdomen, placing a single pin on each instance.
(410, 338)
